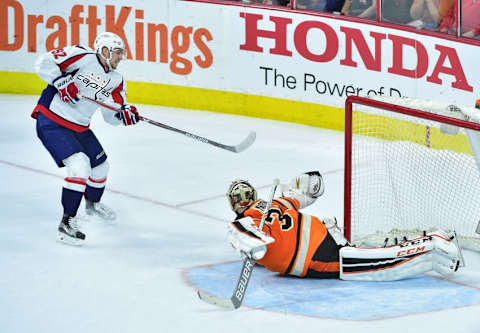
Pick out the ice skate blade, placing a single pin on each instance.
(65, 239)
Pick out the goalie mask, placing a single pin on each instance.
(241, 195)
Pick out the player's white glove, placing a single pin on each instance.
(67, 88)
(306, 188)
(247, 239)
(129, 115)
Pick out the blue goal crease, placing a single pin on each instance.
(333, 298)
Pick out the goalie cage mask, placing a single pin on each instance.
(241, 195)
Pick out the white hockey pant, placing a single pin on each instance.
(434, 252)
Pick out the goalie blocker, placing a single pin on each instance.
(293, 243)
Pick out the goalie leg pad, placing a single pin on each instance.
(386, 263)
(446, 254)
(435, 251)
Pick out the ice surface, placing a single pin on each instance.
(141, 274)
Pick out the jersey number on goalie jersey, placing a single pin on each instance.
(285, 220)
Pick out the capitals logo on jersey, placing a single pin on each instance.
(90, 81)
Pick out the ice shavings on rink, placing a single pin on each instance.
(333, 298)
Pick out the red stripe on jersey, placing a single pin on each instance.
(98, 181)
(63, 66)
(117, 97)
(76, 180)
(59, 120)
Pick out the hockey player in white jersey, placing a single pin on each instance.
(63, 120)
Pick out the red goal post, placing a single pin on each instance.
(400, 155)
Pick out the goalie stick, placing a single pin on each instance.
(235, 301)
(247, 142)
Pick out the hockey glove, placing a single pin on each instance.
(247, 239)
(306, 188)
(129, 115)
(67, 88)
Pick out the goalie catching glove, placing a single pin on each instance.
(247, 239)
(306, 188)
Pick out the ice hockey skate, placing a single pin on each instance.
(100, 210)
(68, 231)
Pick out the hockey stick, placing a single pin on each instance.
(247, 142)
(235, 301)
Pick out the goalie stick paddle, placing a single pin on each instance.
(236, 300)
(247, 142)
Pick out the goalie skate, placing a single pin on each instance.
(98, 209)
(68, 231)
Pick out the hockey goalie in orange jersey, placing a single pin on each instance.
(294, 243)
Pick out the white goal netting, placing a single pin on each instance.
(410, 174)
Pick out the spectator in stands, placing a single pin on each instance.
(474, 33)
(397, 11)
(356, 7)
(270, 2)
(470, 19)
(334, 6)
(430, 12)
(318, 5)
(321, 5)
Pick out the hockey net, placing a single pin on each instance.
(410, 165)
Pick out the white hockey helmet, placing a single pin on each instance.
(112, 42)
(241, 195)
